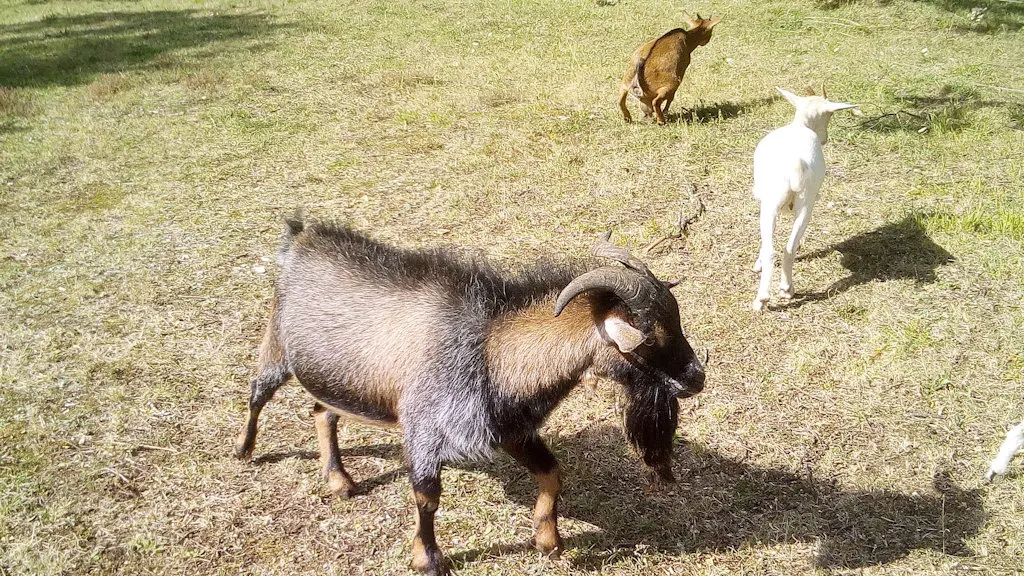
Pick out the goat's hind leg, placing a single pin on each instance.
(766, 254)
(800, 222)
(538, 459)
(271, 375)
(261, 390)
(623, 94)
(1014, 442)
(338, 480)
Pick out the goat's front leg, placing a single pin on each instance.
(766, 256)
(535, 456)
(425, 473)
(800, 222)
(338, 480)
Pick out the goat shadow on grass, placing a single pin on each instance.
(721, 504)
(385, 451)
(363, 485)
(705, 113)
(896, 251)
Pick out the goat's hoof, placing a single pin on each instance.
(441, 570)
(995, 470)
(549, 544)
(340, 484)
(757, 266)
(786, 293)
(553, 554)
(430, 563)
(242, 450)
(759, 305)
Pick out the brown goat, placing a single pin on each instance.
(657, 68)
(467, 359)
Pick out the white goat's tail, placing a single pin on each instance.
(775, 184)
(799, 176)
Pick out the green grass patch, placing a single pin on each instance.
(979, 221)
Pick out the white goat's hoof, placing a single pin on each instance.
(757, 265)
(759, 304)
(996, 469)
(786, 293)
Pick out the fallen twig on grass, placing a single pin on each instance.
(875, 119)
(1003, 88)
(682, 226)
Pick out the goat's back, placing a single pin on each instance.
(788, 160)
(361, 321)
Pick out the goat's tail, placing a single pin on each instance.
(639, 86)
(636, 87)
(294, 224)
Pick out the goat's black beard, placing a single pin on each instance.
(651, 416)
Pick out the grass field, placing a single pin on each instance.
(148, 151)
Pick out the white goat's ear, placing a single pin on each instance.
(793, 98)
(837, 106)
(626, 337)
(689, 20)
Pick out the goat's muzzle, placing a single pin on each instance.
(692, 381)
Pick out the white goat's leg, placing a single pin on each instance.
(1014, 442)
(803, 218)
(766, 256)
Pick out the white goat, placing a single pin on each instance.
(1014, 442)
(788, 170)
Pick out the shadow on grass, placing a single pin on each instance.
(723, 504)
(385, 451)
(719, 504)
(717, 111)
(948, 110)
(897, 251)
(363, 485)
(987, 16)
(71, 50)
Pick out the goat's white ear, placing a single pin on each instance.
(793, 98)
(837, 106)
(626, 337)
(689, 20)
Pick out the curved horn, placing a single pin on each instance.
(823, 92)
(605, 249)
(628, 286)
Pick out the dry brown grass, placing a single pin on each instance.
(846, 432)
